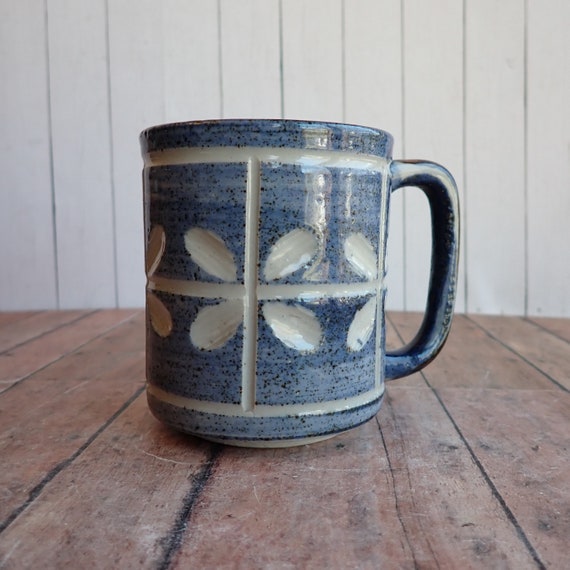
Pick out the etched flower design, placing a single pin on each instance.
(295, 326)
(160, 318)
(360, 254)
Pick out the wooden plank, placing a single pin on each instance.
(557, 326)
(28, 276)
(358, 500)
(373, 97)
(473, 359)
(82, 154)
(117, 504)
(521, 439)
(250, 56)
(494, 211)
(36, 325)
(11, 317)
(548, 120)
(41, 351)
(136, 68)
(433, 126)
(48, 417)
(192, 82)
(548, 353)
(312, 60)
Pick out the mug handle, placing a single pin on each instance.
(441, 191)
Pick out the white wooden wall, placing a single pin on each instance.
(481, 86)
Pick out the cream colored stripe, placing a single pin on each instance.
(301, 156)
(265, 411)
(301, 292)
(251, 256)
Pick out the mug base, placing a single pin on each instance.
(271, 443)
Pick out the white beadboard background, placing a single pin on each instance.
(481, 86)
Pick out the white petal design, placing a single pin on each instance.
(154, 249)
(216, 324)
(160, 318)
(210, 253)
(361, 255)
(294, 326)
(289, 253)
(362, 325)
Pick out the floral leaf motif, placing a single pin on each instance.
(289, 253)
(360, 253)
(154, 249)
(209, 251)
(295, 326)
(362, 325)
(216, 324)
(160, 318)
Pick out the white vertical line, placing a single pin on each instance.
(220, 59)
(111, 153)
(51, 158)
(525, 159)
(281, 75)
(249, 357)
(403, 127)
(463, 219)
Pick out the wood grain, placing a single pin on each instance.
(18, 331)
(557, 326)
(25, 359)
(483, 363)
(46, 418)
(548, 353)
(521, 439)
(466, 466)
(117, 503)
(379, 495)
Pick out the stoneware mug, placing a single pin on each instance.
(265, 263)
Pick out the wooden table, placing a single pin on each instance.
(466, 466)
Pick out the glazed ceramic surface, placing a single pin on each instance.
(265, 259)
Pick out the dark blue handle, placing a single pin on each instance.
(441, 191)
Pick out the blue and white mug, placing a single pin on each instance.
(265, 262)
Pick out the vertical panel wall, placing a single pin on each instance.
(548, 158)
(433, 124)
(28, 277)
(81, 150)
(137, 101)
(481, 86)
(495, 170)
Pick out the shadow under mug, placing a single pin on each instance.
(265, 262)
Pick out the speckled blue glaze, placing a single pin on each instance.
(265, 262)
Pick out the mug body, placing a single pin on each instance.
(265, 261)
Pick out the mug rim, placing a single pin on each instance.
(279, 133)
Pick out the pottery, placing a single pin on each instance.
(265, 263)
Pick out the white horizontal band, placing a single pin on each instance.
(301, 292)
(302, 157)
(264, 410)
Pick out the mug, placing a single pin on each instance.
(265, 264)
